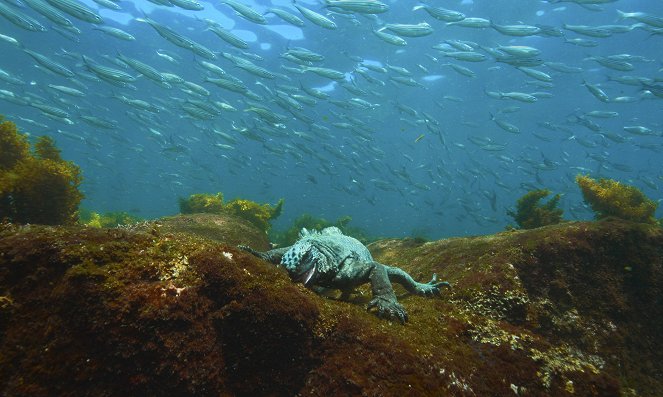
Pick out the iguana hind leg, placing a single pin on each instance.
(401, 277)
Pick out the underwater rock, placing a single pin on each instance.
(572, 308)
(227, 228)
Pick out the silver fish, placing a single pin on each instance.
(516, 30)
(245, 11)
(359, 6)
(115, 32)
(316, 18)
(142, 68)
(286, 16)
(49, 63)
(192, 5)
(410, 30)
(228, 37)
(441, 14)
(107, 73)
(67, 90)
(19, 19)
(325, 72)
(390, 38)
(77, 10)
(49, 12)
(597, 92)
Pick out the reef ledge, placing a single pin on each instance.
(568, 309)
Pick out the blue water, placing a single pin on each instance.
(441, 185)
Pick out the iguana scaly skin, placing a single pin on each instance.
(331, 259)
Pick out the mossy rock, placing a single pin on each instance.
(572, 308)
(227, 228)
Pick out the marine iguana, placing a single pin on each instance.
(330, 259)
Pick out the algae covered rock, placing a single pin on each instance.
(567, 309)
(230, 229)
(259, 215)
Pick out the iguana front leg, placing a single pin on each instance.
(384, 298)
(273, 256)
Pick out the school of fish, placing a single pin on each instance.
(426, 118)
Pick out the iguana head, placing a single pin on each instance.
(302, 260)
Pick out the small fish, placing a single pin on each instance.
(536, 74)
(602, 114)
(192, 5)
(390, 38)
(505, 125)
(286, 16)
(516, 30)
(358, 6)
(246, 12)
(641, 130)
(468, 56)
(67, 90)
(49, 12)
(420, 137)
(462, 70)
(9, 39)
(592, 31)
(472, 22)
(520, 51)
(77, 10)
(651, 20)
(441, 14)
(229, 37)
(19, 19)
(142, 68)
(115, 32)
(325, 72)
(612, 63)
(49, 63)
(107, 73)
(108, 4)
(597, 92)
(316, 18)
(410, 30)
(167, 57)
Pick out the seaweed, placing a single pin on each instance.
(308, 221)
(530, 214)
(608, 197)
(202, 203)
(36, 186)
(259, 215)
(107, 219)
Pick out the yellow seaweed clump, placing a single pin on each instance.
(258, 214)
(608, 197)
(530, 214)
(202, 202)
(36, 186)
(107, 219)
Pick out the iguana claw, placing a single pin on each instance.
(388, 309)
